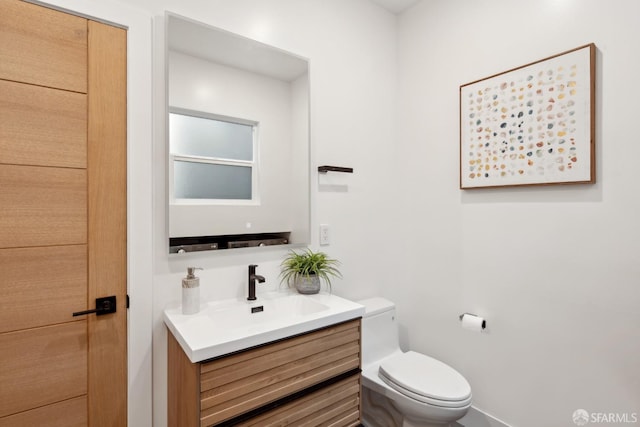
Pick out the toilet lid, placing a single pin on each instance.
(425, 377)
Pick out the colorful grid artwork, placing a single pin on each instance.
(530, 125)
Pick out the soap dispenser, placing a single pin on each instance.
(191, 292)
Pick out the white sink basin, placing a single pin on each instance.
(222, 327)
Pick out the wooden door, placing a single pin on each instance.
(62, 219)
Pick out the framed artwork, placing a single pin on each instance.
(532, 125)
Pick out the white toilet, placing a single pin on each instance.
(405, 389)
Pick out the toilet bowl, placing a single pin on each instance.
(407, 389)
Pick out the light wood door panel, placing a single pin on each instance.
(51, 365)
(42, 126)
(42, 46)
(42, 206)
(41, 286)
(63, 217)
(107, 182)
(68, 413)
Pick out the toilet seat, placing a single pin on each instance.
(425, 379)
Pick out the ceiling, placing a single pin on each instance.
(188, 36)
(396, 6)
(216, 45)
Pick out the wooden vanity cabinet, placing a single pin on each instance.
(308, 379)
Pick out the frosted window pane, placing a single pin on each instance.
(197, 136)
(211, 181)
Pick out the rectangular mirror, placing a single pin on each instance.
(238, 139)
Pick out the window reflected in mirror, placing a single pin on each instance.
(212, 158)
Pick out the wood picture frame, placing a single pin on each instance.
(531, 125)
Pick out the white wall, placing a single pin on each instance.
(553, 269)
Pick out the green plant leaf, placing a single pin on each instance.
(308, 263)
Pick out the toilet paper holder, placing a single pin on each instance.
(484, 322)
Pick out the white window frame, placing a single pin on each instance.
(253, 164)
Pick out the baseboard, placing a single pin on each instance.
(477, 418)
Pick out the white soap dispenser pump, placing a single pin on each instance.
(191, 292)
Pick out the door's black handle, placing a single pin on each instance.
(104, 305)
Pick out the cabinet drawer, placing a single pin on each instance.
(336, 405)
(239, 383)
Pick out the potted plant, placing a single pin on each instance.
(307, 269)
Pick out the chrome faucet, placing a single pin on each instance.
(252, 282)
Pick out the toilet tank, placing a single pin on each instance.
(379, 330)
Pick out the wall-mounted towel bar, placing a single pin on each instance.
(325, 169)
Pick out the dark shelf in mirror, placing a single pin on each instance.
(179, 245)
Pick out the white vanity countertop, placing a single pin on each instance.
(222, 327)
